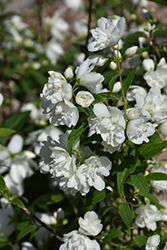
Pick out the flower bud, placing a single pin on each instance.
(68, 73)
(148, 64)
(131, 51)
(113, 65)
(163, 128)
(117, 87)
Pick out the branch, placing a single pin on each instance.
(43, 224)
(89, 21)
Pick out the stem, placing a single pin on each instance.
(89, 21)
(120, 78)
(43, 224)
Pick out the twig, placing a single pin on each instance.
(89, 21)
(43, 224)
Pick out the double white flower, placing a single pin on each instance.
(106, 34)
(109, 122)
(147, 215)
(90, 226)
(55, 101)
(73, 177)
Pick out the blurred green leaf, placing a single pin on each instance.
(156, 177)
(24, 228)
(18, 202)
(163, 2)
(6, 132)
(17, 121)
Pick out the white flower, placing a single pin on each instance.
(84, 98)
(133, 113)
(165, 248)
(57, 89)
(27, 246)
(6, 227)
(98, 60)
(90, 225)
(75, 4)
(42, 234)
(53, 51)
(92, 172)
(164, 212)
(147, 215)
(157, 78)
(106, 34)
(14, 188)
(19, 163)
(109, 123)
(152, 242)
(81, 28)
(148, 64)
(159, 185)
(35, 113)
(76, 240)
(163, 128)
(138, 130)
(85, 76)
(1, 99)
(131, 51)
(58, 27)
(152, 105)
(64, 113)
(133, 90)
(62, 166)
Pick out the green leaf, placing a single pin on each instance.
(163, 2)
(156, 177)
(153, 147)
(2, 184)
(76, 132)
(108, 95)
(140, 182)
(140, 240)
(112, 82)
(98, 98)
(129, 79)
(113, 233)
(103, 211)
(25, 228)
(6, 132)
(126, 216)
(96, 198)
(126, 167)
(17, 121)
(4, 241)
(18, 202)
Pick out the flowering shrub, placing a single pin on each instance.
(83, 161)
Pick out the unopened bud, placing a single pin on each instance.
(131, 51)
(148, 64)
(69, 73)
(113, 65)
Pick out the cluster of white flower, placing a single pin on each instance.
(71, 175)
(89, 226)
